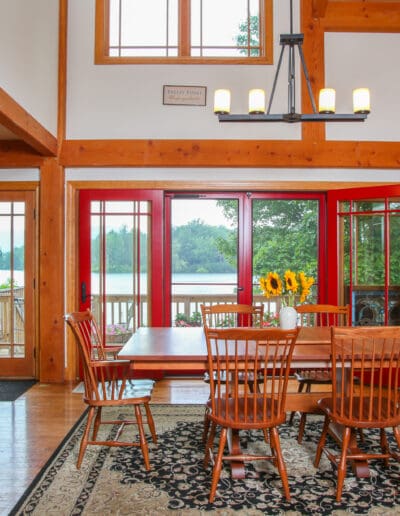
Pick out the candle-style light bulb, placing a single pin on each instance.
(256, 101)
(326, 104)
(222, 102)
(361, 101)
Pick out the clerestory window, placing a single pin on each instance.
(184, 31)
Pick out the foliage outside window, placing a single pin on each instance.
(184, 31)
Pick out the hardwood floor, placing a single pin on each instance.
(34, 425)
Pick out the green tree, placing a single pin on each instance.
(250, 30)
(195, 248)
(285, 235)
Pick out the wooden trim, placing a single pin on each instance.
(72, 274)
(62, 72)
(20, 186)
(184, 28)
(51, 273)
(230, 153)
(17, 120)
(271, 186)
(363, 16)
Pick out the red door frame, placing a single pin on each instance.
(350, 194)
(157, 249)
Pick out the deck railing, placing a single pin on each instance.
(12, 322)
(185, 309)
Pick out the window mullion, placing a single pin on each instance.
(184, 28)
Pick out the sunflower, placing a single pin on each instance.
(291, 283)
(271, 285)
(305, 284)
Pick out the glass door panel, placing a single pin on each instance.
(286, 236)
(363, 225)
(120, 262)
(119, 237)
(204, 256)
(16, 272)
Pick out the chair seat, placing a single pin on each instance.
(364, 415)
(230, 409)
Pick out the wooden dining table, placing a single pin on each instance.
(185, 349)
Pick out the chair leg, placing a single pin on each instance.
(292, 414)
(209, 445)
(280, 463)
(206, 425)
(384, 445)
(142, 437)
(85, 437)
(342, 462)
(321, 442)
(150, 422)
(303, 418)
(97, 423)
(396, 433)
(218, 464)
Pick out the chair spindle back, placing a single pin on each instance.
(237, 359)
(366, 375)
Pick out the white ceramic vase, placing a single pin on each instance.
(287, 317)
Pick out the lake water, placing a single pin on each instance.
(199, 283)
(122, 283)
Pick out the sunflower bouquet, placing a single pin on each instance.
(293, 284)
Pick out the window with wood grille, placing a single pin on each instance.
(184, 31)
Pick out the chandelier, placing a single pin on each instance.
(326, 105)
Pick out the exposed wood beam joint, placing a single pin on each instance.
(17, 120)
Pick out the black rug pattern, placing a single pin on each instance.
(114, 481)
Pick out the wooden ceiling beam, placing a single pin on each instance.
(361, 16)
(17, 120)
(18, 154)
(229, 153)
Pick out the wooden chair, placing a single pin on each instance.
(365, 393)
(229, 315)
(248, 405)
(317, 315)
(107, 385)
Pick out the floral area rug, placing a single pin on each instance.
(113, 481)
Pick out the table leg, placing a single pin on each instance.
(359, 467)
(237, 467)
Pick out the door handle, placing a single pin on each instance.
(84, 293)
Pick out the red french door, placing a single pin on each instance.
(120, 252)
(364, 255)
(253, 232)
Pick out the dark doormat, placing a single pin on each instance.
(10, 390)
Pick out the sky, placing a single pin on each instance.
(185, 210)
